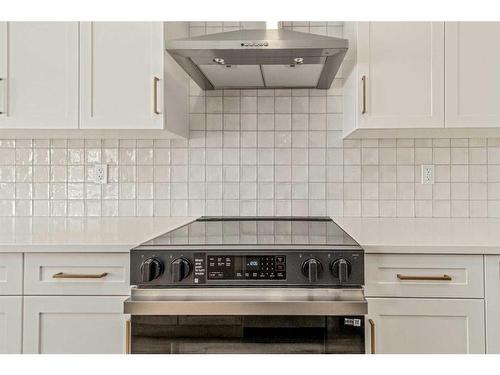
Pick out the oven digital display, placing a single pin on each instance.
(243, 267)
(253, 264)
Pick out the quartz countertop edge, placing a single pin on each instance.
(422, 235)
(104, 234)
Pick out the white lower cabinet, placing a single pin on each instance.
(11, 312)
(492, 291)
(74, 325)
(425, 326)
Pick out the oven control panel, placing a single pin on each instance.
(185, 268)
(241, 267)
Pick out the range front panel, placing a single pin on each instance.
(272, 267)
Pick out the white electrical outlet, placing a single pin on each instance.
(101, 173)
(428, 174)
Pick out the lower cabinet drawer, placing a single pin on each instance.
(76, 274)
(74, 325)
(423, 275)
(425, 326)
(11, 273)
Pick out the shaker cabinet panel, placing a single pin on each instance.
(11, 273)
(492, 291)
(74, 325)
(425, 326)
(39, 75)
(11, 312)
(121, 75)
(472, 74)
(399, 74)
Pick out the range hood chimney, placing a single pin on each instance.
(259, 59)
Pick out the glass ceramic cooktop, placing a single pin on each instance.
(256, 230)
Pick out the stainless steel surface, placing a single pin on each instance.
(246, 301)
(208, 58)
(300, 232)
(363, 79)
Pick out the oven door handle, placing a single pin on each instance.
(329, 302)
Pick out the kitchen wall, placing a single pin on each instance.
(253, 152)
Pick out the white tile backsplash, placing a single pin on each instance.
(253, 152)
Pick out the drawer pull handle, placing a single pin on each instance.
(372, 336)
(429, 278)
(62, 275)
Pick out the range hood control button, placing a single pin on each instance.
(151, 269)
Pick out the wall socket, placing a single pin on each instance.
(101, 173)
(428, 174)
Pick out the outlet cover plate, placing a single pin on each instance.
(427, 174)
(101, 173)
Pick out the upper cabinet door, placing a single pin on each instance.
(39, 75)
(472, 74)
(401, 74)
(121, 75)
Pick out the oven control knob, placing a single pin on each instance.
(341, 269)
(181, 268)
(151, 269)
(311, 269)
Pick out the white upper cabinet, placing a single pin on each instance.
(122, 78)
(121, 67)
(394, 75)
(472, 74)
(39, 75)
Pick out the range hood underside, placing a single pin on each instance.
(260, 69)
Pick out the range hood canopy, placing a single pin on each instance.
(252, 59)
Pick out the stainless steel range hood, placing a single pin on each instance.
(252, 59)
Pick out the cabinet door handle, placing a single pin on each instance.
(372, 336)
(363, 80)
(429, 278)
(155, 95)
(62, 275)
(128, 334)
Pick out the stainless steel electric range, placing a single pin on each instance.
(248, 285)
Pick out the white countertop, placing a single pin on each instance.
(420, 235)
(82, 234)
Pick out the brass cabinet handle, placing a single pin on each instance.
(363, 80)
(372, 336)
(155, 95)
(62, 275)
(429, 278)
(128, 333)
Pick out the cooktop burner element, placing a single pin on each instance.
(250, 252)
(255, 231)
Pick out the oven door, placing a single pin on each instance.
(250, 320)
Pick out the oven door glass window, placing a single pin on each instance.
(247, 334)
